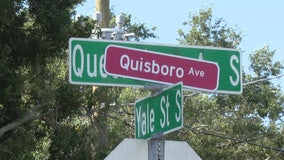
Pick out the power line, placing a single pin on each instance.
(244, 84)
(264, 79)
(211, 133)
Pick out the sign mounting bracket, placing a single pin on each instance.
(155, 88)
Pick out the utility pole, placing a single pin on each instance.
(102, 17)
(102, 6)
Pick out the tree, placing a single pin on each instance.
(222, 126)
(42, 115)
(45, 117)
(141, 31)
(204, 31)
(33, 41)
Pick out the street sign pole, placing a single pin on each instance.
(156, 149)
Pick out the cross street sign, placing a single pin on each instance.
(86, 63)
(161, 68)
(160, 113)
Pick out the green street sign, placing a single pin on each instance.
(160, 113)
(86, 63)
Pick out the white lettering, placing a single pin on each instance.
(196, 72)
(94, 74)
(171, 70)
(102, 72)
(147, 67)
(78, 71)
(178, 115)
(164, 70)
(155, 65)
(124, 62)
(144, 124)
(237, 80)
(144, 120)
(138, 113)
(179, 72)
(152, 119)
(162, 121)
(165, 103)
(150, 67)
(141, 64)
(134, 65)
(191, 71)
(202, 74)
(168, 106)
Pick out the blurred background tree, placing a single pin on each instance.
(42, 116)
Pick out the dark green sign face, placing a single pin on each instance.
(86, 63)
(160, 113)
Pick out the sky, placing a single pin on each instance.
(260, 21)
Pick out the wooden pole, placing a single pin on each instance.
(103, 7)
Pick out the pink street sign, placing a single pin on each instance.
(161, 68)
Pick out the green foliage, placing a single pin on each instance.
(33, 41)
(9, 89)
(71, 142)
(234, 126)
(206, 31)
(84, 122)
(12, 148)
(262, 63)
(140, 30)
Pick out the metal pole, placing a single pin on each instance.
(156, 147)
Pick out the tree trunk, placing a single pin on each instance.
(29, 117)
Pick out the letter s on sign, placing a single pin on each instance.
(237, 80)
(179, 114)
